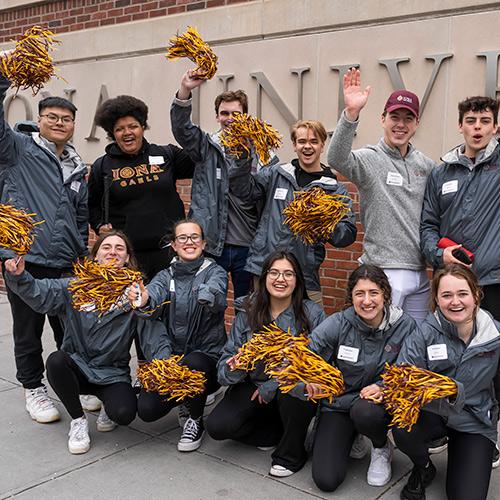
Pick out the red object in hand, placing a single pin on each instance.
(462, 254)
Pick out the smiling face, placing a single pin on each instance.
(281, 279)
(368, 302)
(478, 128)
(56, 125)
(399, 127)
(226, 112)
(456, 300)
(128, 134)
(308, 147)
(188, 242)
(113, 249)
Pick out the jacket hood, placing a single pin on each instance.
(194, 267)
(288, 170)
(392, 314)
(456, 154)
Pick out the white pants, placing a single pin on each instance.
(410, 291)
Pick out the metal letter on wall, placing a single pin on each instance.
(491, 87)
(27, 107)
(342, 69)
(225, 81)
(103, 96)
(69, 93)
(263, 83)
(300, 90)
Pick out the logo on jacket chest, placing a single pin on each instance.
(140, 174)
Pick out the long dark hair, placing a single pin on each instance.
(372, 273)
(258, 305)
(132, 260)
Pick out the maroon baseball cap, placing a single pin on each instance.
(402, 99)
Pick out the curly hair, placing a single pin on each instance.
(372, 273)
(477, 104)
(110, 111)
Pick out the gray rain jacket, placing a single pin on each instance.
(31, 178)
(358, 350)
(99, 345)
(276, 185)
(474, 367)
(240, 334)
(464, 205)
(211, 182)
(195, 316)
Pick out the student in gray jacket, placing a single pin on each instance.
(390, 177)
(42, 173)
(462, 200)
(196, 288)
(253, 410)
(229, 222)
(358, 341)
(95, 355)
(275, 186)
(461, 341)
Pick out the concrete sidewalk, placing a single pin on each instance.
(141, 461)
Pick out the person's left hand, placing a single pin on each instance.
(15, 266)
(372, 392)
(256, 395)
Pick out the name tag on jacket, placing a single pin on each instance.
(437, 351)
(348, 353)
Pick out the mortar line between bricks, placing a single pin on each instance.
(57, 475)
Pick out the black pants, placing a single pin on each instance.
(151, 406)
(469, 455)
(491, 300)
(282, 422)
(335, 435)
(69, 382)
(27, 331)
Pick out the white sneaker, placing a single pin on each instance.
(380, 471)
(182, 415)
(212, 397)
(79, 440)
(40, 406)
(359, 448)
(104, 423)
(192, 434)
(90, 402)
(280, 471)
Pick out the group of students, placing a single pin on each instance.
(236, 226)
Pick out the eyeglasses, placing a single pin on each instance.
(183, 238)
(274, 274)
(52, 119)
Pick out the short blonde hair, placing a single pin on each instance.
(317, 127)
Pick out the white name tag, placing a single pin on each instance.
(394, 179)
(437, 351)
(348, 353)
(75, 186)
(218, 173)
(450, 187)
(156, 160)
(280, 194)
(172, 286)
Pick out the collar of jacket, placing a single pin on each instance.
(194, 267)
(288, 171)
(114, 150)
(456, 155)
(394, 152)
(392, 314)
(486, 330)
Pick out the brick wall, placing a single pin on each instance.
(74, 15)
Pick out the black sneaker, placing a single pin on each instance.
(419, 479)
(496, 458)
(192, 434)
(438, 445)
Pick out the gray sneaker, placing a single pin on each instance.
(79, 439)
(380, 470)
(104, 423)
(40, 406)
(90, 402)
(359, 448)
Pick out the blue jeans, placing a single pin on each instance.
(233, 259)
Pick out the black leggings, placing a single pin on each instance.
(335, 435)
(469, 455)
(151, 406)
(282, 422)
(69, 382)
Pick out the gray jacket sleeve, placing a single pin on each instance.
(234, 342)
(213, 293)
(246, 186)
(413, 352)
(158, 289)
(430, 222)
(8, 149)
(45, 296)
(189, 136)
(153, 339)
(82, 213)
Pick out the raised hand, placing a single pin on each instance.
(355, 98)
(189, 81)
(14, 266)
